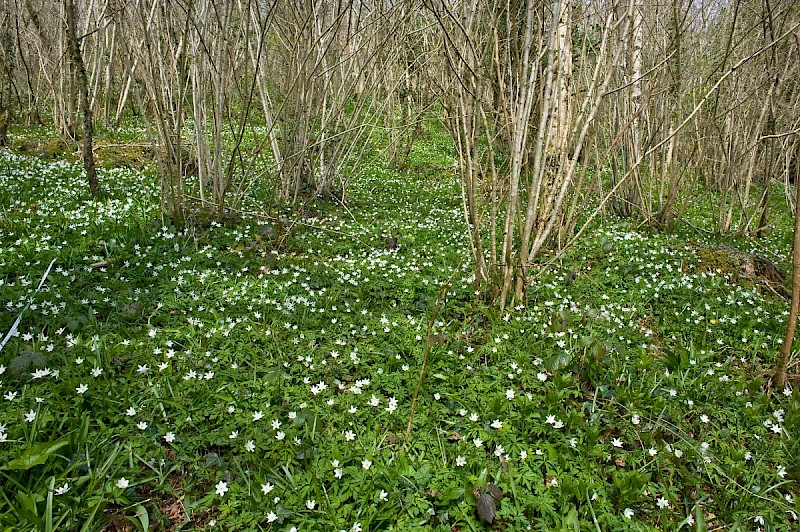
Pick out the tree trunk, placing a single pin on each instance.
(783, 363)
(83, 89)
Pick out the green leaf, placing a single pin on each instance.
(572, 521)
(36, 455)
(701, 522)
(141, 520)
(559, 361)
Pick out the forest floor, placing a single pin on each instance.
(256, 376)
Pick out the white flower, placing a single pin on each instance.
(704, 418)
(130, 412)
(478, 442)
(523, 454)
(222, 487)
(662, 503)
(30, 416)
(233, 435)
(652, 451)
(82, 389)
(266, 488)
(461, 461)
(258, 415)
(338, 472)
(497, 424)
(366, 464)
(349, 435)
(271, 517)
(473, 417)
(123, 483)
(250, 446)
(383, 495)
(509, 394)
(169, 437)
(141, 425)
(311, 504)
(628, 513)
(499, 450)
(541, 376)
(62, 490)
(276, 424)
(374, 401)
(616, 442)
(635, 420)
(392, 405)
(280, 435)
(781, 471)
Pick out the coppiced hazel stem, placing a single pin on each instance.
(76, 57)
(788, 339)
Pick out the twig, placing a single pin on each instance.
(426, 352)
(30, 300)
(428, 341)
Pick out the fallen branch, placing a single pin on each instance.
(30, 300)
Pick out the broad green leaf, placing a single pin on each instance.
(36, 455)
(141, 520)
(699, 519)
(571, 521)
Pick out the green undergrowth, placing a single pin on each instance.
(216, 378)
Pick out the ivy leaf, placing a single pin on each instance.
(36, 455)
(487, 507)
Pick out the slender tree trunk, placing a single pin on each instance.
(783, 363)
(83, 89)
(780, 370)
(8, 67)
